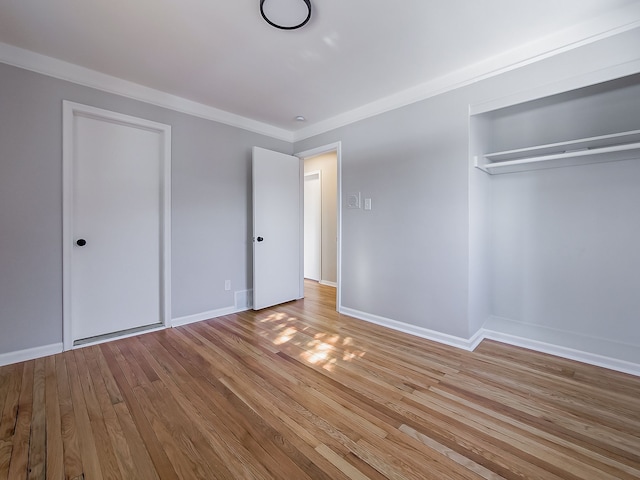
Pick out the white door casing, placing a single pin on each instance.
(313, 225)
(277, 228)
(116, 196)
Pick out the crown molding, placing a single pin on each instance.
(52, 67)
(615, 23)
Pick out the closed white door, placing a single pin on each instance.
(277, 228)
(313, 226)
(115, 182)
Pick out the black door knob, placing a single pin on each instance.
(260, 239)
(81, 242)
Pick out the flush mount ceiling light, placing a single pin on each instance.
(286, 14)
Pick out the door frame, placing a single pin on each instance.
(71, 110)
(314, 173)
(329, 148)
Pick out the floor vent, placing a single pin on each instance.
(244, 299)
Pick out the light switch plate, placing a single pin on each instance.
(367, 204)
(353, 200)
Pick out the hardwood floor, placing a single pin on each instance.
(300, 392)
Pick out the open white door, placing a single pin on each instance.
(277, 228)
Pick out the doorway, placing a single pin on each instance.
(324, 163)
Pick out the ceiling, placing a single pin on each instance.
(354, 58)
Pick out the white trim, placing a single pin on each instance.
(29, 354)
(565, 344)
(458, 342)
(248, 300)
(566, 85)
(491, 333)
(301, 229)
(199, 317)
(313, 173)
(333, 147)
(52, 67)
(564, 352)
(328, 284)
(69, 111)
(444, 338)
(614, 23)
(617, 22)
(109, 338)
(314, 152)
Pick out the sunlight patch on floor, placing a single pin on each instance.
(285, 336)
(318, 353)
(281, 317)
(324, 349)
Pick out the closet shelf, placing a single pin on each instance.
(604, 148)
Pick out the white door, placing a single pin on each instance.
(115, 219)
(313, 226)
(277, 228)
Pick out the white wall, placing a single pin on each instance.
(328, 164)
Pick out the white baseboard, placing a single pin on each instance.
(498, 329)
(243, 301)
(534, 338)
(29, 354)
(328, 284)
(199, 317)
(563, 344)
(468, 344)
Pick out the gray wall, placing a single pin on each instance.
(565, 244)
(407, 258)
(211, 199)
(440, 248)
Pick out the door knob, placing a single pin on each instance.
(260, 239)
(81, 242)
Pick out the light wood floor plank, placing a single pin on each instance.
(20, 441)
(276, 452)
(87, 440)
(199, 404)
(6, 373)
(117, 440)
(300, 392)
(141, 424)
(54, 449)
(73, 466)
(12, 397)
(37, 438)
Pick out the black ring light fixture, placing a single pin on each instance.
(282, 27)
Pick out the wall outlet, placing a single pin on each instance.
(227, 285)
